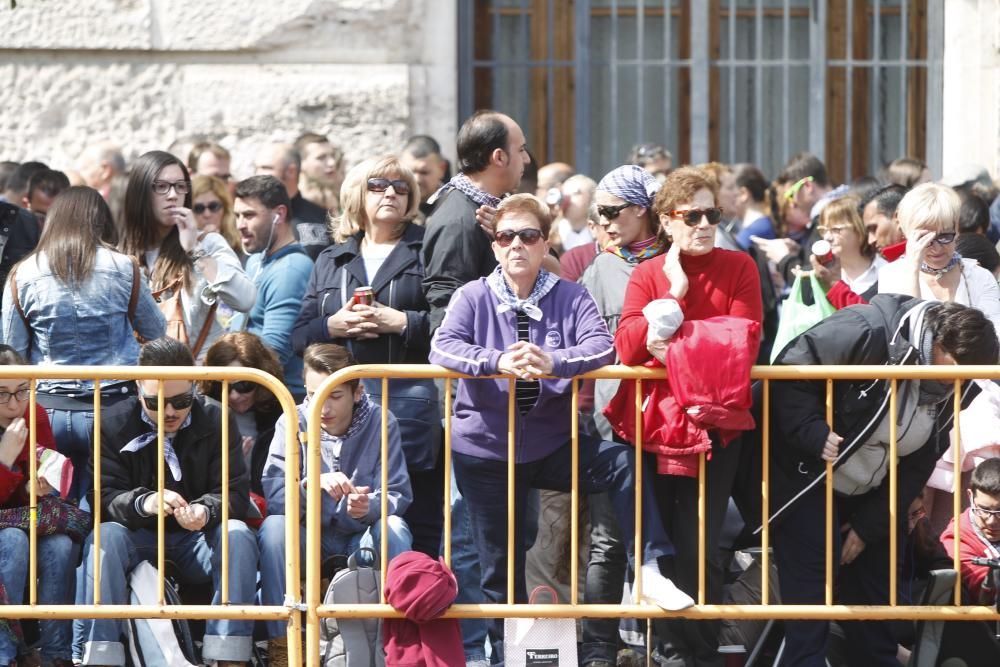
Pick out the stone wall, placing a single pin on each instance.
(148, 73)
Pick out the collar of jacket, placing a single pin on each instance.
(348, 255)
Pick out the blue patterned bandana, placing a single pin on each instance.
(168, 444)
(330, 445)
(509, 301)
(632, 184)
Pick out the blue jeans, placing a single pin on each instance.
(604, 466)
(198, 556)
(271, 538)
(465, 565)
(74, 434)
(55, 554)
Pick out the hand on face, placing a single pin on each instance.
(187, 228)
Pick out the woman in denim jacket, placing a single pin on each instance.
(376, 244)
(68, 303)
(161, 232)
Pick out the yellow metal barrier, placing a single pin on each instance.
(766, 610)
(225, 375)
(313, 609)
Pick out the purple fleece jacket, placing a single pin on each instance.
(471, 339)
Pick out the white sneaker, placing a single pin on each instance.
(658, 590)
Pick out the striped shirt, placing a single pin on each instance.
(525, 391)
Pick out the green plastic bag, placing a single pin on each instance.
(797, 316)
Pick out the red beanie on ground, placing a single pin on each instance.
(422, 589)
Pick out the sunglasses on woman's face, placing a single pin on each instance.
(609, 213)
(212, 207)
(178, 402)
(692, 217)
(401, 187)
(529, 236)
(945, 238)
(243, 387)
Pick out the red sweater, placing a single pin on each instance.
(722, 282)
(14, 480)
(974, 577)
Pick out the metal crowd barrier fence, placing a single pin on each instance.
(315, 611)
(291, 612)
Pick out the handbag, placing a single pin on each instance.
(797, 316)
(55, 517)
(172, 308)
(540, 642)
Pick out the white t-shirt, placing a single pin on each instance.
(374, 256)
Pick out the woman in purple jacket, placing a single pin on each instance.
(525, 322)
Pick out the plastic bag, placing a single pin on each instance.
(797, 316)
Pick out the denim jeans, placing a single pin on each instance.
(271, 538)
(604, 466)
(198, 556)
(74, 434)
(465, 565)
(56, 559)
(606, 573)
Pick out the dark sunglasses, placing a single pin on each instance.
(692, 217)
(528, 236)
(945, 238)
(243, 387)
(213, 206)
(611, 212)
(382, 184)
(178, 402)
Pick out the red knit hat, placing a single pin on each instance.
(422, 589)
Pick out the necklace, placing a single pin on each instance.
(952, 263)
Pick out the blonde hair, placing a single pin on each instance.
(844, 211)
(352, 218)
(929, 206)
(200, 184)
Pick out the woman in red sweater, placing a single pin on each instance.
(694, 280)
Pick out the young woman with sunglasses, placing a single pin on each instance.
(212, 206)
(931, 269)
(377, 244)
(697, 281)
(162, 234)
(255, 407)
(75, 300)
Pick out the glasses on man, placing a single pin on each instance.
(211, 207)
(836, 230)
(796, 186)
(19, 395)
(692, 216)
(609, 213)
(178, 402)
(984, 513)
(382, 184)
(528, 236)
(163, 187)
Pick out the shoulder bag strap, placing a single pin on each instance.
(205, 328)
(133, 300)
(16, 298)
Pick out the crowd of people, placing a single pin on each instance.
(518, 272)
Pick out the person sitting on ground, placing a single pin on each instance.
(526, 323)
(351, 480)
(56, 553)
(191, 501)
(978, 533)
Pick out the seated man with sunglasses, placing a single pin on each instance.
(191, 501)
(524, 322)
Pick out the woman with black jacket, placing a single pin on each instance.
(376, 244)
(892, 330)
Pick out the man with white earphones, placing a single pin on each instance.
(278, 265)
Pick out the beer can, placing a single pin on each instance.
(364, 295)
(823, 252)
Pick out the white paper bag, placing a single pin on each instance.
(540, 642)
